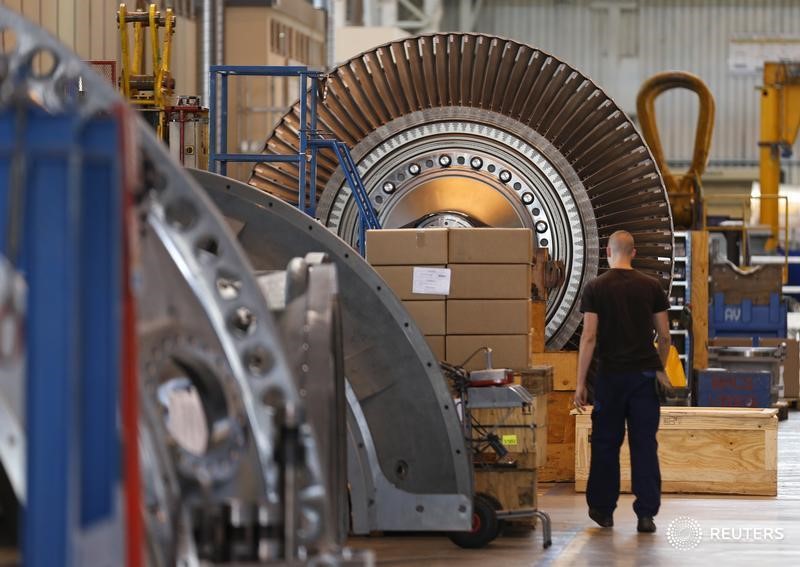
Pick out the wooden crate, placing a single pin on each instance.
(560, 465)
(513, 488)
(538, 379)
(565, 367)
(523, 431)
(702, 450)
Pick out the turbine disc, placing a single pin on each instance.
(474, 130)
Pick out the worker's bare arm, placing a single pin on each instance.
(661, 324)
(585, 353)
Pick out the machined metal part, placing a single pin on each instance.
(405, 443)
(204, 325)
(305, 300)
(474, 130)
(12, 371)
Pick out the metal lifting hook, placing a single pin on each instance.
(685, 191)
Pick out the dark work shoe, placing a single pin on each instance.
(646, 525)
(603, 520)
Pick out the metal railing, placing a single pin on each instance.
(311, 139)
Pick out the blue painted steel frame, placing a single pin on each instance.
(71, 256)
(310, 140)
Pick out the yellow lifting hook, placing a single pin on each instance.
(685, 191)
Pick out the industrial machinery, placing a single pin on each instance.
(231, 469)
(474, 130)
(685, 191)
(780, 120)
(408, 467)
(150, 92)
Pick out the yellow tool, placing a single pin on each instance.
(151, 92)
(685, 191)
(780, 118)
(674, 369)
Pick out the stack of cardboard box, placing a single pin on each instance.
(464, 288)
(395, 255)
(489, 301)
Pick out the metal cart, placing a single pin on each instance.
(490, 388)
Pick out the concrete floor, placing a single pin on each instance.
(578, 541)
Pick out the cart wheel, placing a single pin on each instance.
(484, 525)
(501, 524)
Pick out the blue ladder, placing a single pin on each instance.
(368, 218)
(310, 140)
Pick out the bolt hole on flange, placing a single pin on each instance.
(258, 361)
(42, 64)
(181, 214)
(8, 41)
(242, 322)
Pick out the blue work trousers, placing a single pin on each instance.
(620, 398)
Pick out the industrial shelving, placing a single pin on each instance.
(680, 298)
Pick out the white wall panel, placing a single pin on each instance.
(691, 35)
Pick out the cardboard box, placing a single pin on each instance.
(490, 246)
(701, 450)
(400, 279)
(565, 367)
(399, 247)
(437, 345)
(490, 281)
(428, 315)
(508, 351)
(488, 317)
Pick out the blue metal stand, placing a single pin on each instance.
(61, 226)
(311, 140)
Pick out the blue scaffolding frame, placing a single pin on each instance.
(311, 140)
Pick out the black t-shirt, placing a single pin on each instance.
(625, 301)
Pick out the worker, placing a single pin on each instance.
(621, 309)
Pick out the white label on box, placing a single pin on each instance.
(431, 281)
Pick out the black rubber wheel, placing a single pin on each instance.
(484, 526)
(501, 524)
(548, 543)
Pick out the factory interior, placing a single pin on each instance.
(316, 282)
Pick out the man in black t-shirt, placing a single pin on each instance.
(621, 310)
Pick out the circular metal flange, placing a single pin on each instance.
(193, 280)
(577, 159)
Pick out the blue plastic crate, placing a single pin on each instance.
(746, 319)
(734, 388)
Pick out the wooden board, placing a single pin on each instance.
(537, 379)
(702, 450)
(699, 296)
(756, 285)
(565, 367)
(560, 465)
(514, 488)
(538, 311)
